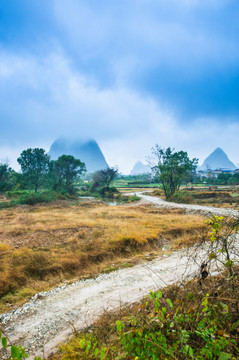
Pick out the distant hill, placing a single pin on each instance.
(140, 168)
(217, 160)
(87, 151)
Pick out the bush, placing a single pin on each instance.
(133, 198)
(16, 193)
(32, 199)
(182, 324)
(182, 197)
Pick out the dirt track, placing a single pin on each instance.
(189, 208)
(48, 321)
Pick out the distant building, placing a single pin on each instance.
(213, 174)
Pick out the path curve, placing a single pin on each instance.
(190, 208)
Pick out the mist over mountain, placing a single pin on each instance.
(140, 168)
(88, 151)
(218, 159)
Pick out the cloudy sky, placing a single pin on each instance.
(128, 73)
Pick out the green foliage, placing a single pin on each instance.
(32, 199)
(182, 197)
(133, 198)
(228, 179)
(175, 333)
(216, 223)
(164, 330)
(7, 177)
(102, 179)
(17, 352)
(34, 165)
(65, 171)
(23, 197)
(172, 169)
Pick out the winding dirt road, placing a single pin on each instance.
(189, 208)
(51, 317)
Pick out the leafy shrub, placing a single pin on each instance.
(32, 199)
(134, 198)
(17, 193)
(175, 333)
(21, 197)
(182, 197)
(17, 352)
(188, 327)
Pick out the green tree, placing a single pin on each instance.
(172, 168)
(224, 179)
(34, 165)
(7, 177)
(66, 171)
(236, 178)
(102, 179)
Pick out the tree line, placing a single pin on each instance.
(170, 168)
(38, 170)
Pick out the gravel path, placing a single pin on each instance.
(190, 208)
(50, 317)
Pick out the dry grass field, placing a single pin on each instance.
(42, 246)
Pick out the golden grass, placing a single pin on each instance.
(42, 246)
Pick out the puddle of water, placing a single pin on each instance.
(110, 202)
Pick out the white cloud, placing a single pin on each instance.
(179, 34)
(46, 98)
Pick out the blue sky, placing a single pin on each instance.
(129, 73)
